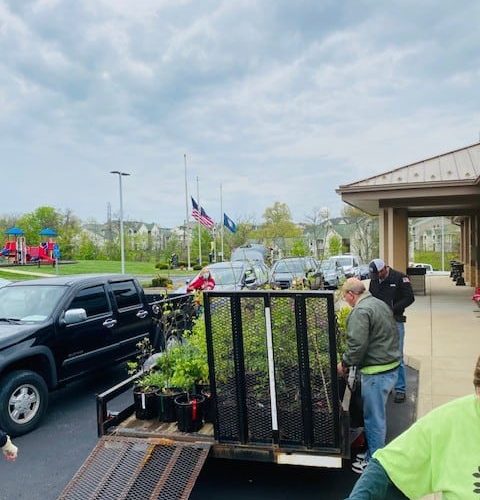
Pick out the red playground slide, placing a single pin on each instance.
(38, 253)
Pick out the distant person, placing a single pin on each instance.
(439, 453)
(395, 289)
(204, 281)
(372, 346)
(8, 448)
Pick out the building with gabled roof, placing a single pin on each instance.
(444, 185)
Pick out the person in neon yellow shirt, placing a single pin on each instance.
(438, 453)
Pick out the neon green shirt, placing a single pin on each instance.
(438, 453)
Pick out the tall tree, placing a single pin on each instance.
(334, 245)
(32, 223)
(278, 223)
(317, 226)
(365, 236)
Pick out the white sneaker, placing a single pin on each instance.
(359, 466)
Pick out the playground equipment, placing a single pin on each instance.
(17, 251)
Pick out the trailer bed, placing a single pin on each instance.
(153, 429)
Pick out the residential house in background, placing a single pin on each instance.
(358, 236)
(427, 233)
(138, 234)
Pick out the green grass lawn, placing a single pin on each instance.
(92, 266)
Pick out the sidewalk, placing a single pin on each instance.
(442, 341)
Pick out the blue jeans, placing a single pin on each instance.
(400, 385)
(375, 483)
(375, 391)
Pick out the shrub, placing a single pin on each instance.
(163, 281)
(182, 263)
(162, 265)
(197, 267)
(341, 317)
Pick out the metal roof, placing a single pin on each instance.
(461, 165)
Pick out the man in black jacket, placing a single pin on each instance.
(395, 289)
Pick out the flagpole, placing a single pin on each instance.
(221, 221)
(185, 232)
(199, 227)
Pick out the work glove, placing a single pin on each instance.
(9, 450)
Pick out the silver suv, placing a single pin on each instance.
(350, 264)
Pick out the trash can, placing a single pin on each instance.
(417, 279)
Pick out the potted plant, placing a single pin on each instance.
(189, 369)
(145, 395)
(145, 386)
(166, 394)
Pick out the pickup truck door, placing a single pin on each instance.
(134, 321)
(90, 344)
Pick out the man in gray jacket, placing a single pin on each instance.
(372, 346)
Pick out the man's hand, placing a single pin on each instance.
(10, 450)
(342, 370)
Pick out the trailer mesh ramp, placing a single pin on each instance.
(138, 469)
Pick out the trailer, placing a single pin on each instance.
(272, 364)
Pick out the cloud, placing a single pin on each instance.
(276, 100)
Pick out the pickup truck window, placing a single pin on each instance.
(126, 294)
(32, 304)
(94, 300)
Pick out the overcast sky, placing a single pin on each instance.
(278, 100)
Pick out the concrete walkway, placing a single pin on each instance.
(442, 341)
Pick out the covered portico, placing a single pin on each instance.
(445, 185)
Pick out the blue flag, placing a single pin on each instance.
(229, 224)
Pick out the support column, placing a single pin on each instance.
(397, 238)
(468, 250)
(471, 250)
(383, 233)
(476, 251)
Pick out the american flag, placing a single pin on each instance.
(201, 216)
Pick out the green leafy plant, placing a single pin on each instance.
(150, 381)
(145, 350)
(341, 317)
(186, 364)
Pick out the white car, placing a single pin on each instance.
(428, 267)
(350, 264)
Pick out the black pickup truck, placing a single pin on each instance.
(55, 330)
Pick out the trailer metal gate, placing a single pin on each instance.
(272, 360)
(138, 469)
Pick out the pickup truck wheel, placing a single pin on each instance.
(23, 401)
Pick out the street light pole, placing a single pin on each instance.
(122, 244)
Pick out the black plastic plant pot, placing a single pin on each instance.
(166, 405)
(145, 404)
(189, 412)
(199, 388)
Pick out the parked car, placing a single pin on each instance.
(59, 329)
(251, 253)
(364, 271)
(428, 267)
(350, 264)
(229, 276)
(304, 270)
(333, 275)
